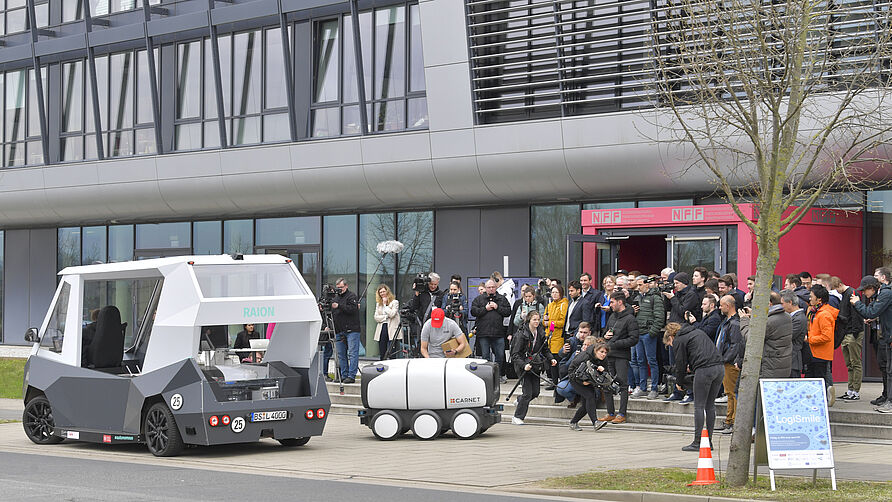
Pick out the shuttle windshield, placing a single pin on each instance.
(246, 280)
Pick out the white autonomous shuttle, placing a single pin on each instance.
(139, 352)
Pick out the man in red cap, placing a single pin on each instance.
(438, 330)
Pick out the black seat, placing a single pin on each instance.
(107, 348)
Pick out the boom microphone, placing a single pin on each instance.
(387, 247)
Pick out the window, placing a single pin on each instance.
(230, 281)
(93, 245)
(206, 237)
(21, 120)
(120, 243)
(14, 15)
(549, 227)
(393, 72)
(283, 231)
(163, 235)
(416, 231)
(68, 247)
(338, 248)
(254, 100)
(55, 330)
(101, 7)
(238, 236)
(132, 297)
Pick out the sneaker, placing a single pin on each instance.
(878, 401)
(723, 399)
(672, 397)
(607, 418)
(599, 425)
(516, 421)
(503, 379)
(638, 393)
(662, 389)
(349, 380)
(691, 447)
(725, 425)
(328, 378)
(575, 427)
(846, 396)
(549, 387)
(855, 396)
(621, 419)
(653, 395)
(885, 407)
(729, 430)
(688, 399)
(831, 395)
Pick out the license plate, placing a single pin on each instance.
(269, 416)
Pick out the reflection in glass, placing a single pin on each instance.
(206, 237)
(15, 154)
(389, 116)
(246, 131)
(280, 231)
(102, 87)
(325, 122)
(72, 148)
(338, 248)
(374, 228)
(144, 113)
(549, 226)
(94, 245)
(16, 21)
(33, 109)
(188, 80)
(246, 76)
(72, 10)
(163, 235)
(415, 230)
(416, 61)
(417, 113)
(120, 243)
(211, 134)
(68, 247)
(276, 128)
(145, 142)
(327, 62)
(187, 136)
(15, 106)
(121, 143)
(99, 7)
(238, 236)
(275, 70)
(210, 91)
(72, 96)
(390, 52)
(352, 120)
(35, 152)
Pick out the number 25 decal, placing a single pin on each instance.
(176, 401)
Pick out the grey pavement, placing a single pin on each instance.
(505, 457)
(11, 409)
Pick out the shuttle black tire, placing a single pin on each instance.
(293, 441)
(390, 427)
(424, 428)
(466, 429)
(37, 419)
(161, 433)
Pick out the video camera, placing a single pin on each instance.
(669, 380)
(326, 298)
(588, 372)
(420, 283)
(408, 316)
(453, 305)
(666, 287)
(544, 289)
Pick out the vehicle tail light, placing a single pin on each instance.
(320, 413)
(225, 419)
(310, 414)
(214, 421)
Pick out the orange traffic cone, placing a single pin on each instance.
(705, 472)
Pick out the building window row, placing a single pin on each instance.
(254, 88)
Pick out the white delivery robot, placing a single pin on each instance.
(430, 396)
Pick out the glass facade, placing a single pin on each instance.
(21, 118)
(549, 227)
(393, 73)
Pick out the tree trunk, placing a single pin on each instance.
(739, 457)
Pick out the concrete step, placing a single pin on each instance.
(644, 414)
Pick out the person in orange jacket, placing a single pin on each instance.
(820, 337)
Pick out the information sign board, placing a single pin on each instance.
(797, 423)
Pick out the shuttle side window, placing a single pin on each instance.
(55, 330)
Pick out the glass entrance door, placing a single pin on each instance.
(585, 253)
(306, 258)
(688, 250)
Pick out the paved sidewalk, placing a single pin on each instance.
(505, 457)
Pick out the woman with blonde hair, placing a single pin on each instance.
(387, 315)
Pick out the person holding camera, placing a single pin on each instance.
(530, 356)
(456, 305)
(490, 309)
(438, 330)
(345, 314)
(387, 317)
(621, 336)
(426, 298)
(584, 387)
(694, 350)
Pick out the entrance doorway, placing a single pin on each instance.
(306, 259)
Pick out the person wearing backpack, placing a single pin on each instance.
(849, 334)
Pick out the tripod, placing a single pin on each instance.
(395, 347)
(329, 333)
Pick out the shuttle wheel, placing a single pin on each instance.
(293, 441)
(426, 425)
(386, 425)
(38, 421)
(162, 436)
(466, 425)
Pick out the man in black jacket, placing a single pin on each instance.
(684, 299)
(491, 309)
(712, 317)
(345, 314)
(794, 283)
(801, 351)
(694, 350)
(621, 336)
(854, 338)
(729, 342)
(424, 302)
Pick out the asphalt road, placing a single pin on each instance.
(43, 477)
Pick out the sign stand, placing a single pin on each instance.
(793, 428)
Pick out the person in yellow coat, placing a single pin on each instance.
(555, 316)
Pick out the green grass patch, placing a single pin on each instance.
(673, 480)
(12, 372)
(5, 421)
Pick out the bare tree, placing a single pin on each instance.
(779, 102)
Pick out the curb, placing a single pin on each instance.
(623, 496)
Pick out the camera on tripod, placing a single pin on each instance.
(408, 316)
(326, 298)
(420, 283)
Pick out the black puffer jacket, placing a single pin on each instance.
(694, 350)
(580, 358)
(625, 333)
(490, 322)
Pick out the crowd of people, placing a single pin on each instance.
(681, 335)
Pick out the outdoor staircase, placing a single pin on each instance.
(850, 421)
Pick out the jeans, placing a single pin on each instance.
(646, 350)
(619, 368)
(492, 348)
(633, 367)
(706, 384)
(851, 352)
(348, 353)
(884, 357)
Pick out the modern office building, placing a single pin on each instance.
(470, 130)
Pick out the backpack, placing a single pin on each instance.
(839, 330)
